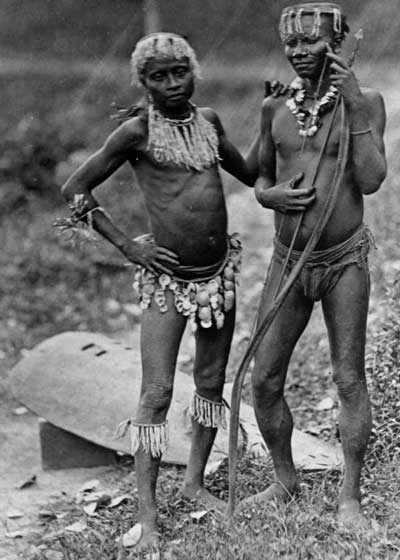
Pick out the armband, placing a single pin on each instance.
(359, 132)
(80, 211)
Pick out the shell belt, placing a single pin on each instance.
(205, 302)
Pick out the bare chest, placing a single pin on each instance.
(290, 145)
(168, 186)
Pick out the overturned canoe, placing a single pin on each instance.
(87, 384)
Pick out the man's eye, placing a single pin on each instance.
(291, 43)
(311, 40)
(157, 77)
(180, 72)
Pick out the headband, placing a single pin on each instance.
(291, 21)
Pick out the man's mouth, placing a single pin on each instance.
(301, 63)
(176, 96)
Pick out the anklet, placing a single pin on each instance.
(208, 413)
(153, 438)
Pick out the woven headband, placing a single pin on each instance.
(291, 21)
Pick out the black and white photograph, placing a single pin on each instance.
(199, 280)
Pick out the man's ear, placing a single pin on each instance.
(337, 47)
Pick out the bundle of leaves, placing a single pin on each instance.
(383, 371)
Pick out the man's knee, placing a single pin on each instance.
(156, 396)
(351, 384)
(268, 383)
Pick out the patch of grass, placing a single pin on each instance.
(304, 528)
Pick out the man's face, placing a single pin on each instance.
(306, 52)
(170, 82)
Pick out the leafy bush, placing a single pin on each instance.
(30, 154)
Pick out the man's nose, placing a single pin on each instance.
(172, 81)
(298, 50)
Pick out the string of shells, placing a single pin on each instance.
(203, 302)
(320, 107)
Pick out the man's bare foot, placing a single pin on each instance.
(204, 497)
(276, 491)
(350, 516)
(148, 544)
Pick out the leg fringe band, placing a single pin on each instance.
(208, 413)
(153, 438)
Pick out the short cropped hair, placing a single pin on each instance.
(161, 46)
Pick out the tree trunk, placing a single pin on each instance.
(152, 16)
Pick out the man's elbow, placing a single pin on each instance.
(260, 191)
(373, 183)
(251, 179)
(70, 188)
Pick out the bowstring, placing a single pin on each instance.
(301, 215)
(300, 218)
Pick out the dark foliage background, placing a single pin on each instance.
(235, 28)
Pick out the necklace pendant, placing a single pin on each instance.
(321, 106)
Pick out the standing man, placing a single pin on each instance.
(293, 131)
(187, 265)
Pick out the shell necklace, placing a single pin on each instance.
(191, 142)
(320, 107)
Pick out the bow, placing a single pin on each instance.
(282, 293)
(279, 300)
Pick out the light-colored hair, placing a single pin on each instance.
(291, 22)
(161, 46)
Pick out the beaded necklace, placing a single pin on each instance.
(191, 142)
(320, 107)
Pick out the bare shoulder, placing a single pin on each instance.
(130, 135)
(209, 114)
(272, 104)
(373, 98)
(270, 107)
(212, 117)
(371, 93)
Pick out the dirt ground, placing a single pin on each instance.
(19, 462)
(21, 509)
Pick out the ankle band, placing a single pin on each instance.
(152, 438)
(208, 413)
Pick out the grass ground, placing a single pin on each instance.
(46, 288)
